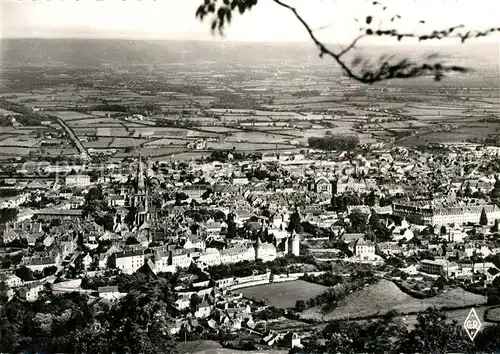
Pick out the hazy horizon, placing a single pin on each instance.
(267, 22)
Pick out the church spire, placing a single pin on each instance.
(140, 175)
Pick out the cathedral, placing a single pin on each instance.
(139, 198)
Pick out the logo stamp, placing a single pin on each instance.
(472, 324)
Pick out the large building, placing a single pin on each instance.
(323, 185)
(129, 261)
(78, 180)
(363, 249)
(458, 215)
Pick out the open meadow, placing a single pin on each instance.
(385, 296)
(283, 295)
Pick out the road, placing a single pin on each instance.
(74, 138)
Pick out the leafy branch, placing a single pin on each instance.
(387, 67)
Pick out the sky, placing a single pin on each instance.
(333, 20)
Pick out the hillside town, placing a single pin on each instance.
(425, 220)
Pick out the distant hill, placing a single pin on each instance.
(99, 52)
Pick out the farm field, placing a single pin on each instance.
(167, 141)
(283, 295)
(247, 147)
(256, 137)
(125, 142)
(69, 115)
(19, 141)
(384, 296)
(220, 129)
(109, 122)
(455, 136)
(494, 314)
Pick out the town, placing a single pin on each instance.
(262, 250)
(219, 197)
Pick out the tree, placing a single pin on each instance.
(300, 305)
(194, 302)
(433, 334)
(231, 229)
(295, 223)
(443, 230)
(495, 192)
(483, 220)
(8, 214)
(387, 67)
(468, 190)
(370, 199)
(494, 228)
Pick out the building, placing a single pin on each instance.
(30, 292)
(49, 214)
(437, 267)
(129, 261)
(294, 244)
(110, 293)
(363, 249)
(195, 191)
(442, 216)
(11, 280)
(180, 258)
(141, 199)
(78, 180)
(323, 185)
(265, 252)
(38, 264)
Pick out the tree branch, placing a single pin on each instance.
(323, 49)
(368, 73)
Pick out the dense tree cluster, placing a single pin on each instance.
(337, 142)
(307, 93)
(8, 215)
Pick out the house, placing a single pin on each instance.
(363, 249)
(292, 340)
(323, 185)
(30, 292)
(70, 214)
(203, 310)
(110, 293)
(38, 264)
(129, 261)
(265, 251)
(116, 201)
(78, 180)
(195, 191)
(180, 258)
(87, 261)
(11, 280)
(437, 267)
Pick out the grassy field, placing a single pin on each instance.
(494, 314)
(284, 295)
(69, 115)
(211, 347)
(384, 296)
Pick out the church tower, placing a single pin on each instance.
(141, 197)
(294, 244)
(258, 248)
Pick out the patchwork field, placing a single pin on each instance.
(283, 295)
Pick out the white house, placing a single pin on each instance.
(363, 249)
(30, 292)
(78, 180)
(129, 261)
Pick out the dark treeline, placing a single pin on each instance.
(334, 142)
